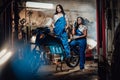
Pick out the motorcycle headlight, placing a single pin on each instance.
(33, 39)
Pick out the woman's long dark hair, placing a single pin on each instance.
(62, 10)
(76, 23)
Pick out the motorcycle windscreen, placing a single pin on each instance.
(56, 49)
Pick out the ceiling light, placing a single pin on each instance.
(39, 5)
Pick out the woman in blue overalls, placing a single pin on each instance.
(80, 32)
(60, 23)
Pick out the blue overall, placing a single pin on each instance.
(59, 30)
(81, 42)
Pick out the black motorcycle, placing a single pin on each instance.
(54, 44)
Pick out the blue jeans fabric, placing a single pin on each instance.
(82, 47)
(59, 30)
(64, 38)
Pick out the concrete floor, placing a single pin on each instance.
(19, 68)
(48, 72)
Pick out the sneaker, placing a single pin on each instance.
(82, 70)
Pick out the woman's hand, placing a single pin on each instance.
(75, 37)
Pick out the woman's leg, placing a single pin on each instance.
(82, 44)
(73, 43)
(64, 39)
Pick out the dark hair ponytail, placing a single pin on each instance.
(76, 23)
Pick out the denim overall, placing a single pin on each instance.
(59, 30)
(81, 42)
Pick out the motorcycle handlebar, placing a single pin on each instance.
(41, 29)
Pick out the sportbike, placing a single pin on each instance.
(54, 45)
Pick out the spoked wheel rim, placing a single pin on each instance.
(73, 61)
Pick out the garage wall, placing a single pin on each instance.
(73, 9)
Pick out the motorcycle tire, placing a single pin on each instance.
(73, 61)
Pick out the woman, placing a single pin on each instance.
(80, 32)
(59, 26)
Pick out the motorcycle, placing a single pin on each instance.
(54, 44)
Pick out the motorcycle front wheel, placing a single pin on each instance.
(73, 61)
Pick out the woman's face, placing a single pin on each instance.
(79, 21)
(58, 9)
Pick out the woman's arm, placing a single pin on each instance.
(53, 20)
(73, 31)
(53, 25)
(84, 34)
(66, 22)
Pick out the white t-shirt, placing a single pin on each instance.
(81, 27)
(56, 17)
